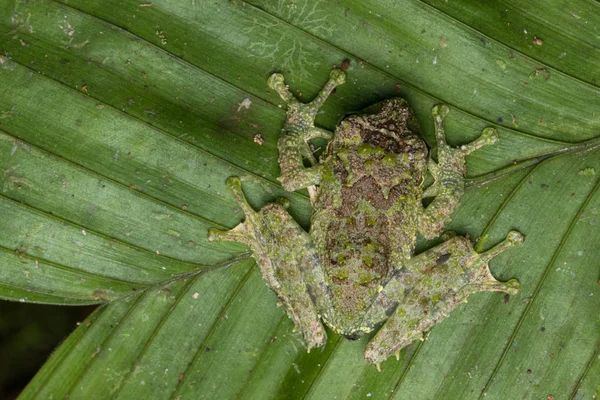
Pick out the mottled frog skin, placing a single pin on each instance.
(356, 268)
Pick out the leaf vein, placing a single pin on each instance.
(164, 132)
(538, 288)
(260, 359)
(48, 376)
(102, 346)
(406, 369)
(323, 368)
(155, 331)
(494, 40)
(587, 369)
(212, 329)
(49, 215)
(402, 81)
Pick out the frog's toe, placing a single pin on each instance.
(487, 282)
(515, 238)
(283, 202)
(275, 81)
(242, 232)
(488, 136)
(440, 110)
(376, 355)
(511, 287)
(218, 235)
(316, 337)
(234, 185)
(337, 76)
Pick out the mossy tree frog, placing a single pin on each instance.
(356, 268)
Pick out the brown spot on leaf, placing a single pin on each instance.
(100, 295)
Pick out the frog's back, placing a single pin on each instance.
(365, 212)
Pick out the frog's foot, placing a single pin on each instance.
(301, 116)
(488, 136)
(443, 277)
(299, 129)
(448, 174)
(487, 282)
(244, 232)
(448, 156)
(286, 260)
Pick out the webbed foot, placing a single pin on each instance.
(298, 130)
(443, 277)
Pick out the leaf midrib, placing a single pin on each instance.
(79, 227)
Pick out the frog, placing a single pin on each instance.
(356, 270)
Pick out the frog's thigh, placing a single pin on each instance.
(289, 264)
(437, 281)
(283, 252)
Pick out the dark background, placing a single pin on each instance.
(29, 333)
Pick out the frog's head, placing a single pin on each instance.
(389, 126)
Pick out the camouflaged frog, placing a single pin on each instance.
(356, 269)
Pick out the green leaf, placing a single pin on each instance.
(120, 121)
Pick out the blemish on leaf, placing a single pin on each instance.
(541, 71)
(587, 172)
(162, 217)
(514, 120)
(100, 295)
(245, 104)
(259, 139)
(162, 37)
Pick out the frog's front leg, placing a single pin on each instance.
(448, 174)
(437, 281)
(299, 128)
(287, 261)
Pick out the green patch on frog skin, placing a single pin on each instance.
(340, 273)
(389, 160)
(366, 277)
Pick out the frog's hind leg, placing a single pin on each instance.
(299, 128)
(430, 286)
(283, 251)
